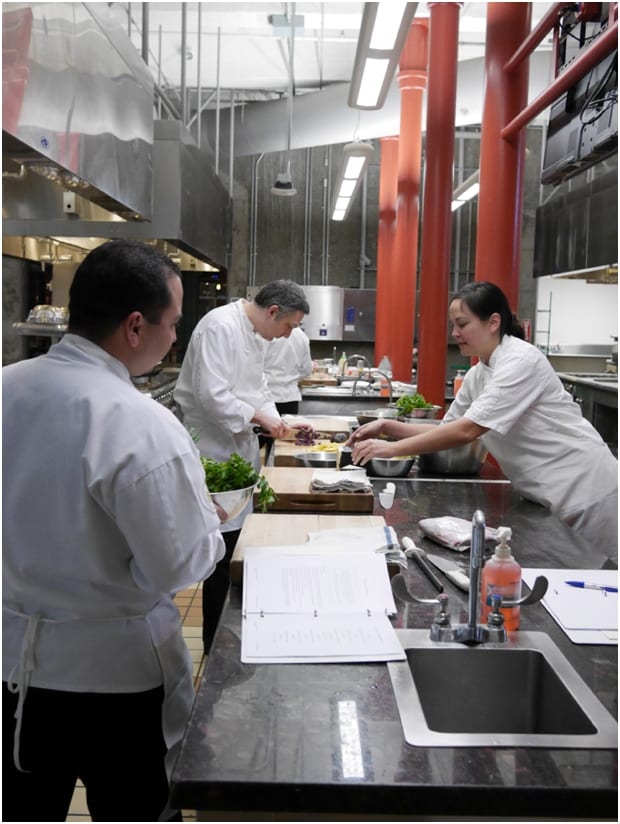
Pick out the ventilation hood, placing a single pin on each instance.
(82, 155)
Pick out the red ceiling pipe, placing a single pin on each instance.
(591, 56)
(500, 200)
(404, 258)
(437, 214)
(536, 36)
(388, 192)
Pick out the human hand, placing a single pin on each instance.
(221, 513)
(368, 430)
(363, 451)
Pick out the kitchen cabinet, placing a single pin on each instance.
(273, 742)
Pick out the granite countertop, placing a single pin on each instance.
(267, 738)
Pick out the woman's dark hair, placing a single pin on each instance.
(287, 294)
(484, 299)
(115, 279)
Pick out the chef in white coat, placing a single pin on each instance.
(223, 394)
(513, 400)
(287, 361)
(105, 516)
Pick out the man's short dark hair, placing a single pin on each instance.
(115, 279)
(287, 294)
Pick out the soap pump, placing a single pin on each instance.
(501, 575)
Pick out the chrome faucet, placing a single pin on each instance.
(359, 358)
(472, 632)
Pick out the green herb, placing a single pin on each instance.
(237, 473)
(406, 403)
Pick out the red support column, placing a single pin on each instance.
(388, 189)
(404, 260)
(437, 214)
(500, 200)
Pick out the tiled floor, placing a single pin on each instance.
(189, 602)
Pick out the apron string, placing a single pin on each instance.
(20, 681)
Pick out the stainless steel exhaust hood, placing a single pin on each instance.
(78, 121)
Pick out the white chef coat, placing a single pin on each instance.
(539, 437)
(287, 360)
(221, 384)
(105, 515)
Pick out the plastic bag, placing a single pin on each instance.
(455, 533)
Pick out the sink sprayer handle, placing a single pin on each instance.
(537, 592)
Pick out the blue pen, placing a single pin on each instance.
(583, 585)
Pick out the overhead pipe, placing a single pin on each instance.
(363, 219)
(546, 23)
(217, 105)
(388, 195)
(145, 32)
(231, 155)
(412, 76)
(199, 81)
(307, 217)
(438, 183)
(326, 202)
(183, 62)
(591, 56)
(254, 219)
(502, 162)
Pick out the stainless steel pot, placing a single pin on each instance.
(460, 460)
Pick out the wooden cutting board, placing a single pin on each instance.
(278, 530)
(284, 453)
(319, 379)
(292, 486)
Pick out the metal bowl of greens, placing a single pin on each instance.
(415, 406)
(369, 415)
(232, 483)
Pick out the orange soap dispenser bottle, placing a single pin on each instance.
(502, 575)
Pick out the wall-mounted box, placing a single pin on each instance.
(359, 314)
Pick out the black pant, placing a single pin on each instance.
(112, 742)
(215, 589)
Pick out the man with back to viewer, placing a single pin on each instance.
(105, 515)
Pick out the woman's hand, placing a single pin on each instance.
(368, 430)
(363, 451)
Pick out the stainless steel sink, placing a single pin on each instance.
(520, 693)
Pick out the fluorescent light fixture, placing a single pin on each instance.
(354, 162)
(383, 33)
(468, 189)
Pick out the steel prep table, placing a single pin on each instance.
(263, 742)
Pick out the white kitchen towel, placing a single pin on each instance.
(455, 533)
(334, 480)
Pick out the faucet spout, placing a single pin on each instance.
(476, 557)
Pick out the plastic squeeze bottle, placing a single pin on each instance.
(458, 380)
(502, 575)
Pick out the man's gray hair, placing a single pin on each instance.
(287, 294)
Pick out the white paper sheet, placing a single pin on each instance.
(303, 639)
(316, 583)
(587, 616)
(316, 608)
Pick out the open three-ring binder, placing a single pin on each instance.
(316, 608)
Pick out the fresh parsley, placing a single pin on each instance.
(237, 473)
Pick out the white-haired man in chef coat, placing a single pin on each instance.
(224, 395)
(105, 515)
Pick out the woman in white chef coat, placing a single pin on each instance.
(224, 396)
(105, 516)
(513, 400)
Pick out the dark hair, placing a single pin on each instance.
(287, 294)
(115, 279)
(484, 299)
